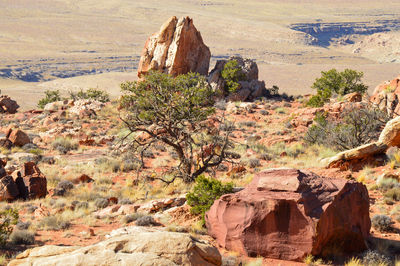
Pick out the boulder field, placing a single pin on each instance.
(288, 213)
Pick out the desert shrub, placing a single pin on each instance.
(57, 222)
(334, 82)
(354, 128)
(49, 97)
(22, 237)
(131, 217)
(232, 74)
(101, 203)
(8, 218)
(381, 222)
(177, 111)
(145, 221)
(82, 205)
(393, 194)
(373, 257)
(204, 193)
(92, 94)
(23, 225)
(64, 145)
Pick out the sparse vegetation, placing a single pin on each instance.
(178, 112)
(333, 82)
(22, 237)
(232, 74)
(204, 193)
(64, 145)
(356, 127)
(50, 97)
(381, 222)
(92, 94)
(8, 218)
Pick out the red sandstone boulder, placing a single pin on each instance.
(288, 213)
(35, 182)
(18, 137)
(387, 96)
(7, 105)
(177, 48)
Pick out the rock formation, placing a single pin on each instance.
(7, 105)
(288, 213)
(250, 86)
(128, 246)
(387, 97)
(29, 184)
(368, 154)
(177, 48)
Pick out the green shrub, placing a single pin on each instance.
(204, 193)
(50, 97)
(22, 237)
(393, 194)
(334, 82)
(8, 218)
(232, 74)
(92, 94)
(354, 128)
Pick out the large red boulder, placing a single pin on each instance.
(177, 48)
(288, 213)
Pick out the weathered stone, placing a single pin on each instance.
(8, 188)
(250, 87)
(7, 105)
(128, 246)
(355, 159)
(35, 182)
(18, 137)
(177, 48)
(390, 135)
(353, 97)
(386, 96)
(288, 213)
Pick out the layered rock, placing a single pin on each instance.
(387, 97)
(288, 213)
(128, 246)
(177, 48)
(7, 105)
(250, 87)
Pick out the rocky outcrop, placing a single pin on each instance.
(8, 188)
(128, 246)
(7, 105)
(288, 213)
(250, 87)
(387, 97)
(390, 135)
(368, 154)
(355, 159)
(177, 48)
